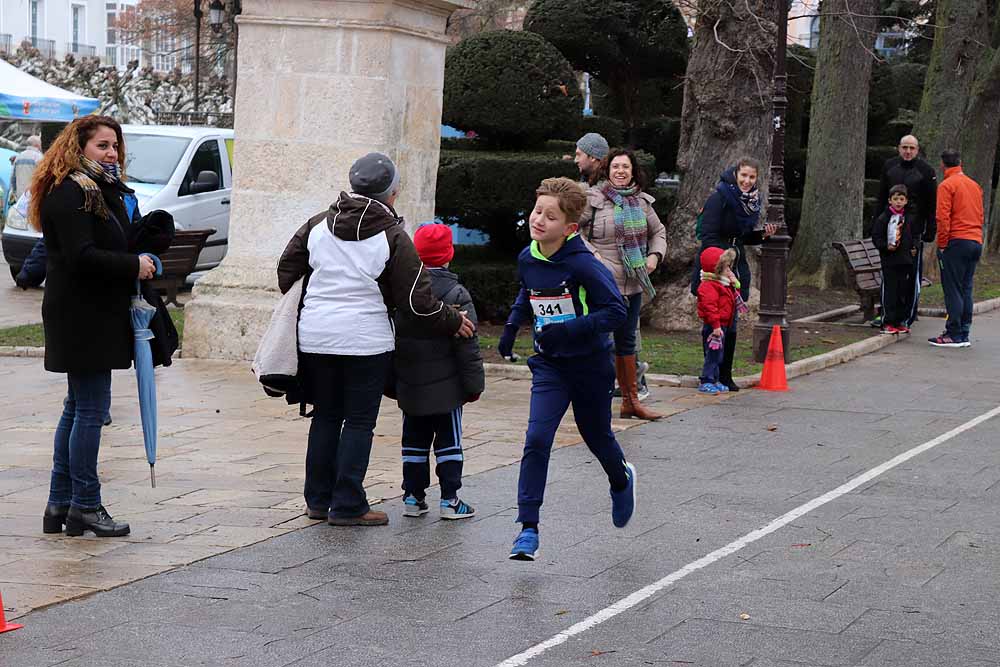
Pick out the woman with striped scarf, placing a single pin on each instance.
(623, 227)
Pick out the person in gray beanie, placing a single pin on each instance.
(359, 269)
(375, 175)
(591, 151)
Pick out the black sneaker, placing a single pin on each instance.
(414, 507)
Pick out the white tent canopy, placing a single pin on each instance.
(24, 97)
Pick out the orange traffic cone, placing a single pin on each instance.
(4, 625)
(772, 378)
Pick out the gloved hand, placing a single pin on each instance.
(715, 341)
(506, 345)
(553, 336)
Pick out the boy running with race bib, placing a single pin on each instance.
(573, 303)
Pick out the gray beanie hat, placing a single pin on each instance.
(594, 145)
(375, 176)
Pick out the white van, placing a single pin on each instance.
(186, 171)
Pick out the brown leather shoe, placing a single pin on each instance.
(317, 514)
(631, 407)
(369, 518)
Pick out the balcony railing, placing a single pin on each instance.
(82, 50)
(207, 118)
(5, 43)
(46, 47)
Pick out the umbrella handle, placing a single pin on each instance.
(152, 476)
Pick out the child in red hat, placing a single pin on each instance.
(718, 301)
(435, 377)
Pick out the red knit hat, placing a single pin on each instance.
(709, 258)
(434, 244)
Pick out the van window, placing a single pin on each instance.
(151, 158)
(206, 158)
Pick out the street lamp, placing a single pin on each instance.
(216, 14)
(197, 52)
(774, 250)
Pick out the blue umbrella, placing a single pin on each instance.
(142, 313)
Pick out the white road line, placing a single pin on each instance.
(642, 594)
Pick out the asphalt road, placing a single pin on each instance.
(851, 521)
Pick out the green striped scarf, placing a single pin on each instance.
(630, 233)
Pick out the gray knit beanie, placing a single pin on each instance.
(594, 145)
(375, 176)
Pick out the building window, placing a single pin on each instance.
(34, 17)
(77, 21)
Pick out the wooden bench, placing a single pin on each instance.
(179, 261)
(865, 268)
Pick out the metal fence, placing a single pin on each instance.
(82, 50)
(46, 47)
(206, 118)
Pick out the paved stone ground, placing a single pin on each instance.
(901, 571)
(17, 306)
(229, 471)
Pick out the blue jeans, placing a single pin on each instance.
(78, 439)
(346, 393)
(958, 267)
(625, 334)
(587, 384)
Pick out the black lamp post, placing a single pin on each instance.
(216, 14)
(197, 53)
(774, 250)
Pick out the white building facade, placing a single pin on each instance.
(84, 28)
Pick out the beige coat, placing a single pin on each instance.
(597, 225)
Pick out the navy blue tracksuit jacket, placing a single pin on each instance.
(576, 369)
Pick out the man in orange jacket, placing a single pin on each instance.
(960, 244)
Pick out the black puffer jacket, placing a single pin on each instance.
(435, 375)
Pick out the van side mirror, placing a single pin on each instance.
(207, 181)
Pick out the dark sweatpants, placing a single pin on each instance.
(444, 432)
(587, 384)
(897, 294)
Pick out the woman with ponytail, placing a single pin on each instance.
(78, 205)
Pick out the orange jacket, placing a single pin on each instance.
(959, 208)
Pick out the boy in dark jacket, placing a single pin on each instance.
(574, 304)
(435, 377)
(892, 234)
(717, 307)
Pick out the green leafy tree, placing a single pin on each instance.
(512, 88)
(621, 42)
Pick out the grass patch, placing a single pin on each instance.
(680, 353)
(985, 284)
(31, 335)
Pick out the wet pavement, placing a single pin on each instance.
(897, 570)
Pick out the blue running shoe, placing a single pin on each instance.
(525, 545)
(414, 507)
(708, 388)
(623, 502)
(456, 509)
(723, 389)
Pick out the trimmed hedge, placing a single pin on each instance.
(513, 88)
(491, 278)
(875, 157)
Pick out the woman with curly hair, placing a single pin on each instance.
(78, 206)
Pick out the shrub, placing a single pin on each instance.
(492, 191)
(661, 137)
(795, 172)
(511, 88)
(491, 278)
(875, 157)
(610, 128)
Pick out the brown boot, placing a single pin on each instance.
(369, 518)
(631, 407)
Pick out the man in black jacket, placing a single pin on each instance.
(920, 180)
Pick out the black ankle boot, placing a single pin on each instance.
(54, 518)
(96, 520)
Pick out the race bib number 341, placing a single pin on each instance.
(551, 306)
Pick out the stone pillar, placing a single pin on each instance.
(321, 83)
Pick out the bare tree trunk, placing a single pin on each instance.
(961, 42)
(833, 200)
(726, 114)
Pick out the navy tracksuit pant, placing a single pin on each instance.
(586, 383)
(444, 431)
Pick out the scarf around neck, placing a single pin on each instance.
(87, 177)
(630, 233)
(741, 306)
(745, 205)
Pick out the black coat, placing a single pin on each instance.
(901, 256)
(436, 374)
(90, 278)
(920, 180)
